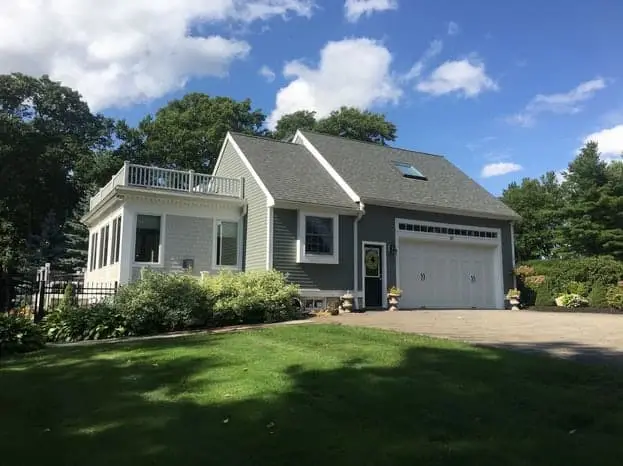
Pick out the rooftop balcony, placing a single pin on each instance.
(174, 181)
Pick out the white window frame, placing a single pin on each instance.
(302, 256)
(238, 265)
(160, 262)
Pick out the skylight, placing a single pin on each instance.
(409, 171)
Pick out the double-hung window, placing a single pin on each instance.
(93, 258)
(227, 246)
(318, 238)
(147, 244)
(116, 240)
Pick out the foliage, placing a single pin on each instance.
(543, 295)
(251, 297)
(75, 241)
(19, 334)
(598, 295)
(161, 302)
(513, 293)
(95, 322)
(347, 122)
(614, 297)
(578, 288)
(571, 300)
(394, 290)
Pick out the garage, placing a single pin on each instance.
(449, 266)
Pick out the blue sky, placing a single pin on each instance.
(516, 86)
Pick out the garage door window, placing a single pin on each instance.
(447, 231)
(318, 238)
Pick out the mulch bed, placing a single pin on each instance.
(589, 310)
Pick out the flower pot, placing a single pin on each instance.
(393, 300)
(514, 303)
(347, 302)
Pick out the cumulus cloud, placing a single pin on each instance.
(351, 72)
(267, 73)
(610, 142)
(121, 52)
(355, 9)
(466, 77)
(499, 169)
(453, 28)
(431, 52)
(562, 103)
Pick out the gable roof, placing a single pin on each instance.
(369, 170)
(291, 173)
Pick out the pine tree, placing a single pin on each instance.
(76, 243)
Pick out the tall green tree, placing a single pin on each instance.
(593, 206)
(188, 133)
(538, 201)
(289, 124)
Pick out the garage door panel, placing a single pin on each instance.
(442, 275)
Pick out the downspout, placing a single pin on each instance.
(356, 287)
(513, 253)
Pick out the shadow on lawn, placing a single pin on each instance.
(439, 406)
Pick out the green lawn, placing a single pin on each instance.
(306, 395)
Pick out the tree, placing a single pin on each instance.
(75, 241)
(538, 201)
(188, 133)
(593, 206)
(363, 125)
(289, 124)
(347, 122)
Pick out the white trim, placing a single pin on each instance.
(301, 256)
(384, 271)
(360, 215)
(270, 215)
(318, 293)
(238, 265)
(326, 165)
(498, 265)
(513, 253)
(270, 201)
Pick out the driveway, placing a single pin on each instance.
(576, 336)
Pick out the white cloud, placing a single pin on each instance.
(500, 168)
(453, 28)
(466, 77)
(562, 103)
(121, 52)
(610, 142)
(267, 73)
(431, 52)
(355, 9)
(351, 72)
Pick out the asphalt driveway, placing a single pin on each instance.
(570, 335)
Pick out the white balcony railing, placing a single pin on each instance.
(141, 176)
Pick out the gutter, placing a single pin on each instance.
(356, 269)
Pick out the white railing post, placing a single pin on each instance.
(241, 187)
(126, 173)
(191, 180)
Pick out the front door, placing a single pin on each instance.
(374, 275)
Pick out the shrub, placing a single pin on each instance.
(161, 302)
(19, 334)
(597, 296)
(589, 270)
(543, 295)
(95, 322)
(614, 297)
(251, 297)
(574, 287)
(571, 300)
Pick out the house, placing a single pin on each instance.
(334, 214)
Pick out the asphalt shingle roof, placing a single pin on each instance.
(369, 171)
(291, 173)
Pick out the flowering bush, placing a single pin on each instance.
(571, 300)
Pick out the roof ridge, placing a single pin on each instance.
(263, 138)
(372, 143)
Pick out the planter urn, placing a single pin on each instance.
(514, 302)
(393, 299)
(347, 303)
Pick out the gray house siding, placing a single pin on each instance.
(378, 225)
(312, 276)
(188, 238)
(255, 231)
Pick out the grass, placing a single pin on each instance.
(306, 395)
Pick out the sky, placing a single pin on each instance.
(504, 90)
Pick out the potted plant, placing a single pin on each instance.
(393, 298)
(513, 298)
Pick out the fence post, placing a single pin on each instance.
(41, 299)
(191, 180)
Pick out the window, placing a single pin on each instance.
(101, 260)
(116, 240)
(92, 262)
(318, 239)
(409, 171)
(447, 231)
(147, 246)
(104, 246)
(227, 244)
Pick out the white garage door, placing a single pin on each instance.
(446, 275)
